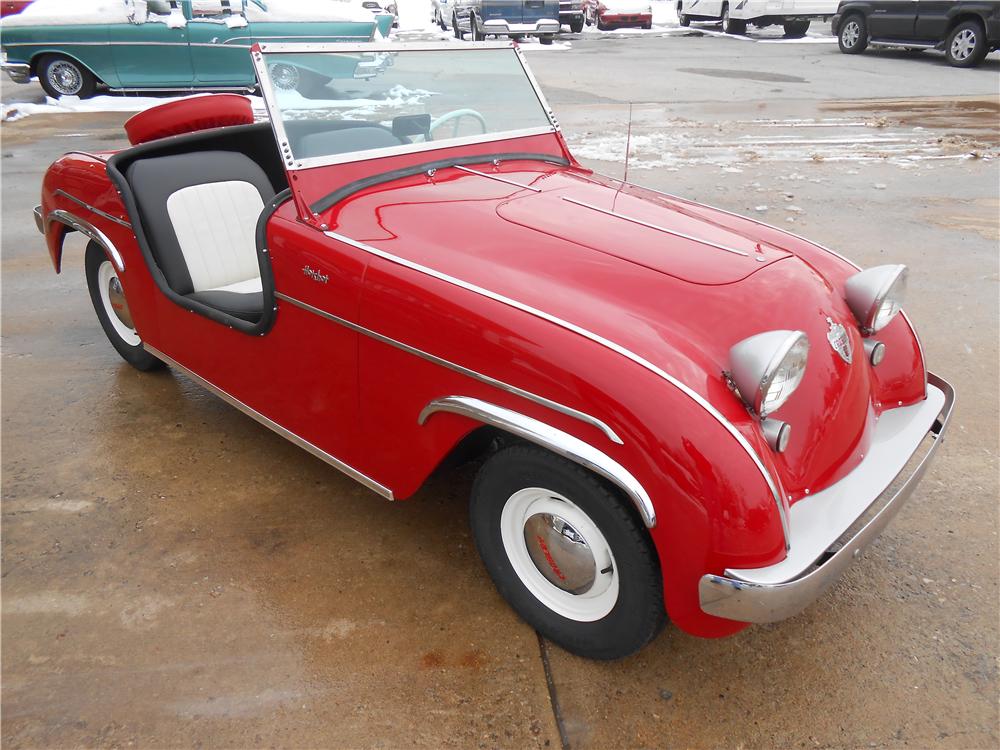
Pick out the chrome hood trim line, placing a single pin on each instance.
(657, 227)
(528, 395)
(272, 425)
(549, 437)
(608, 344)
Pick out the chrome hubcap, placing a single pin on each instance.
(113, 299)
(65, 78)
(852, 32)
(560, 553)
(963, 44)
(116, 296)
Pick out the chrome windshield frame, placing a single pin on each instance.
(291, 164)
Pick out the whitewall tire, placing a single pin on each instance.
(567, 553)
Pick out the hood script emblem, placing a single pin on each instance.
(315, 275)
(839, 340)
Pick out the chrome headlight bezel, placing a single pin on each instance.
(761, 363)
(876, 295)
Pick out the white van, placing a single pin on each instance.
(793, 15)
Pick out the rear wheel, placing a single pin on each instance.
(566, 553)
(112, 310)
(61, 76)
(454, 27)
(966, 46)
(796, 29)
(853, 36)
(732, 25)
(547, 39)
(477, 34)
(576, 25)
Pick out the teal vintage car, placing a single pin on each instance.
(171, 45)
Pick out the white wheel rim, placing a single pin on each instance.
(65, 78)
(523, 510)
(114, 304)
(963, 44)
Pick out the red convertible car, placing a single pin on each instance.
(678, 412)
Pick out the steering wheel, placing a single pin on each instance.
(456, 115)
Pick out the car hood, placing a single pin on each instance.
(675, 301)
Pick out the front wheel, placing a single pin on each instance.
(576, 25)
(796, 29)
(112, 310)
(61, 76)
(477, 34)
(966, 46)
(566, 553)
(853, 36)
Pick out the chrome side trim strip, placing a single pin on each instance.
(497, 178)
(549, 437)
(527, 395)
(89, 230)
(272, 425)
(608, 344)
(834, 253)
(94, 210)
(656, 227)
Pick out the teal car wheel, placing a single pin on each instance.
(61, 76)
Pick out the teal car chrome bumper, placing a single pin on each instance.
(18, 72)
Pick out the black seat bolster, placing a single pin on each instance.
(155, 179)
(244, 305)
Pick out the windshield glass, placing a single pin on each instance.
(334, 107)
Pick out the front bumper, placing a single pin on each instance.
(503, 28)
(18, 72)
(831, 528)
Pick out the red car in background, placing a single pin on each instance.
(10, 7)
(618, 14)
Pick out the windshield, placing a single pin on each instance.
(331, 107)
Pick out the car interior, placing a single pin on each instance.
(195, 202)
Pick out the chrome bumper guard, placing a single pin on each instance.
(499, 26)
(39, 220)
(818, 552)
(18, 72)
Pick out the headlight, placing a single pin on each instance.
(875, 296)
(768, 367)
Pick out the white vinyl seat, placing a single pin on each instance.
(200, 213)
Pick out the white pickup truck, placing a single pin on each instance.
(735, 15)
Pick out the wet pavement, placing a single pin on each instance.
(174, 574)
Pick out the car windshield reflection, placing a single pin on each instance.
(331, 107)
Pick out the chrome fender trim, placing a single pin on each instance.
(87, 229)
(272, 425)
(447, 364)
(772, 485)
(557, 441)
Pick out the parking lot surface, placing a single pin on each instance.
(176, 575)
